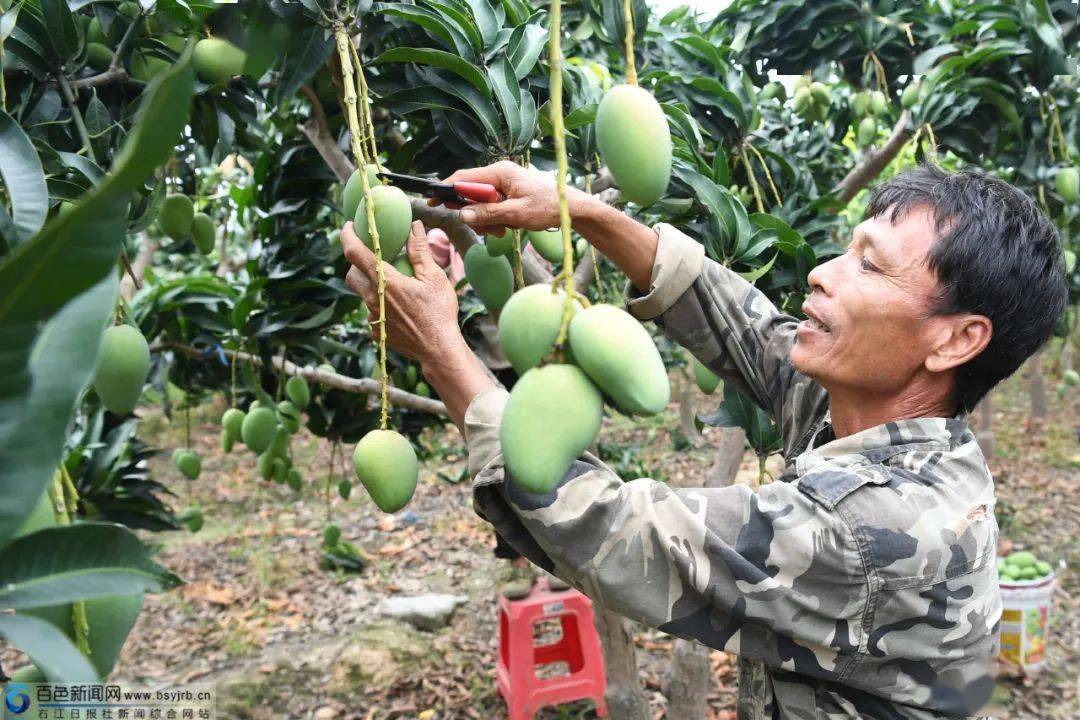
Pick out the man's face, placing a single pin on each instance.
(868, 324)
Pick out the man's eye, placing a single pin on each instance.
(867, 265)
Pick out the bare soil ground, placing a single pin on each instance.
(280, 637)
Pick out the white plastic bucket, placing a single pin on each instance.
(1025, 622)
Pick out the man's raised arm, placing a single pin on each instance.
(729, 325)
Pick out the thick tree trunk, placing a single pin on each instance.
(625, 697)
(686, 684)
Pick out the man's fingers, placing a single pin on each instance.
(360, 285)
(419, 251)
(357, 253)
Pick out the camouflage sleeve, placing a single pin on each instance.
(733, 329)
(764, 574)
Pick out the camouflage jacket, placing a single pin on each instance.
(861, 584)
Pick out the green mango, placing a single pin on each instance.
(232, 421)
(821, 95)
(548, 243)
(403, 266)
(1067, 181)
(94, 33)
(1021, 559)
(279, 446)
(706, 380)
(294, 480)
(289, 416)
(802, 101)
(773, 90)
(867, 131)
(1029, 573)
(619, 356)
(878, 103)
(393, 217)
(227, 441)
(297, 390)
(492, 277)
(217, 61)
(1071, 378)
(202, 232)
(331, 534)
(1043, 568)
(552, 416)
(860, 103)
(581, 247)
(192, 517)
(176, 215)
(385, 463)
(266, 465)
(187, 462)
(123, 361)
(344, 488)
(98, 56)
(279, 469)
(500, 244)
(327, 368)
(910, 96)
(422, 389)
(635, 142)
(354, 190)
(529, 324)
(258, 428)
(145, 65)
(1008, 572)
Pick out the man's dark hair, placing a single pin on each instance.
(997, 254)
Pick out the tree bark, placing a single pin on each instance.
(363, 386)
(624, 695)
(138, 267)
(875, 160)
(686, 684)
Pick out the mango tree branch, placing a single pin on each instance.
(362, 386)
(875, 160)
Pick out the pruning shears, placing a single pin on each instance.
(453, 195)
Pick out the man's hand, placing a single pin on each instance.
(531, 202)
(421, 310)
(421, 319)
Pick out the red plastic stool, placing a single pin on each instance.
(579, 648)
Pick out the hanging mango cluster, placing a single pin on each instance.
(384, 460)
(570, 355)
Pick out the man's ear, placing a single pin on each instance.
(959, 339)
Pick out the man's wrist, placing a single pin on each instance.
(582, 205)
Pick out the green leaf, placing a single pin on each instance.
(753, 275)
(524, 48)
(507, 93)
(308, 50)
(60, 24)
(440, 59)
(49, 648)
(455, 14)
(70, 255)
(926, 60)
(486, 21)
(23, 178)
(481, 107)
(434, 23)
(579, 116)
(77, 562)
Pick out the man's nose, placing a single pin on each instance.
(821, 278)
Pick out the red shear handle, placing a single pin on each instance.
(478, 192)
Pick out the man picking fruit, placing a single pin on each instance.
(863, 583)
